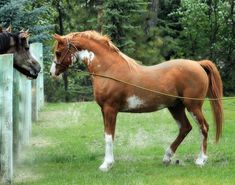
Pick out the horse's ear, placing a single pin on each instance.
(9, 29)
(27, 33)
(58, 38)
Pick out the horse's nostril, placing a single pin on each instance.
(38, 68)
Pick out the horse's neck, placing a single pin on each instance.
(95, 61)
(93, 57)
(99, 59)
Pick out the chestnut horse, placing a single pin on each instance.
(122, 85)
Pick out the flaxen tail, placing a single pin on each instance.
(215, 92)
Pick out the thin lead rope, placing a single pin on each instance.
(158, 92)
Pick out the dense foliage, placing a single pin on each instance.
(150, 31)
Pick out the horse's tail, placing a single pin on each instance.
(215, 92)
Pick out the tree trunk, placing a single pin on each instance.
(153, 15)
(61, 32)
(213, 18)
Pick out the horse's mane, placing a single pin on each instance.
(105, 40)
(5, 41)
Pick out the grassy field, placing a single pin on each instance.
(67, 147)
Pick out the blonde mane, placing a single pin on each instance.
(105, 40)
(91, 34)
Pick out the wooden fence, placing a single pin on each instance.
(20, 101)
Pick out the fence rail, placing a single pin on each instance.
(20, 101)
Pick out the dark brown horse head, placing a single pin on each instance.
(17, 44)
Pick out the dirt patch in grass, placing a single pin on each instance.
(26, 176)
(40, 142)
(60, 118)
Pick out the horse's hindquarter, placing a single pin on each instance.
(177, 78)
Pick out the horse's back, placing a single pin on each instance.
(188, 76)
(178, 71)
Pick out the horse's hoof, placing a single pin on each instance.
(105, 167)
(166, 160)
(201, 161)
(168, 156)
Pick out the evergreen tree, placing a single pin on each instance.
(33, 15)
(26, 14)
(119, 21)
(208, 32)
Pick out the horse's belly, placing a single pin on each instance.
(138, 104)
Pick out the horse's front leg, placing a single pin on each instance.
(109, 116)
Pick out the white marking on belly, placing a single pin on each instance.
(134, 102)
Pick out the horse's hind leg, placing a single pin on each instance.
(203, 128)
(178, 113)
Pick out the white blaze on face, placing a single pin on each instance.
(85, 55)
(53, 69)
(134, 102)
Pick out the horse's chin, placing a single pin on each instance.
(31, 78)
(28, 73)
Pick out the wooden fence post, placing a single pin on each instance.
(17, 113)
(34, 101)
(36, 50)
(6, 133)
(27, 105)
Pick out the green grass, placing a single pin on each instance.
(67, 147)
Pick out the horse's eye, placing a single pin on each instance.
(26, 48)
(58, 54)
